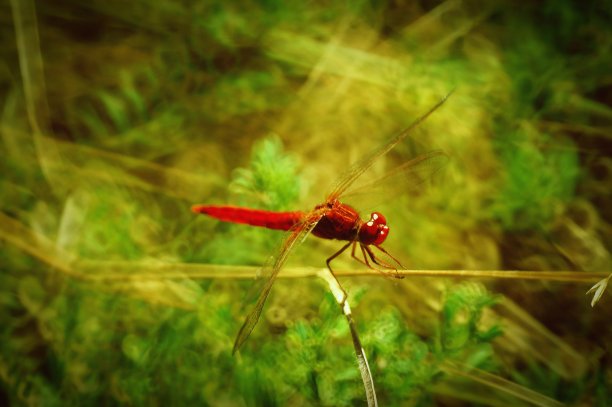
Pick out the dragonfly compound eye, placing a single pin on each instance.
(378, 218)
(383, 232)
(374, 231)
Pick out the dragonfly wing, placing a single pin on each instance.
(296, 236)
(411, 177)
(361, 166)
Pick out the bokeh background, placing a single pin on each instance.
(117, 116)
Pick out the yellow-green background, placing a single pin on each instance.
(117, 116)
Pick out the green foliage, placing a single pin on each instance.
(251, 92)
(270, 181)
(112, 235)
(461, 315)
(142, 109)
(403, 363)
(537, 181)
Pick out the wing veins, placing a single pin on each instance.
(296, 236)
(359, 167)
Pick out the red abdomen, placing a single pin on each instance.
(253, 217)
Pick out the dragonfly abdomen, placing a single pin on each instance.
(253, 217)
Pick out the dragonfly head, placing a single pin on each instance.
(375, 230)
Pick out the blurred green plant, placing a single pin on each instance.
(270, 182)
(315, 355)
(537, 181)
(150, 105)
(461, 313)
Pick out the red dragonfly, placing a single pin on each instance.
(331, 219)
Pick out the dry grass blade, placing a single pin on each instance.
(497, 383)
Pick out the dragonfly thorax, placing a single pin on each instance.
(340, 221)
(374, 231)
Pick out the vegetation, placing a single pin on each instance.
(116, 117)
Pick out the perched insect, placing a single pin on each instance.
(333, 219)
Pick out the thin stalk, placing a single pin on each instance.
(105, 271)
(495, 382)
(362, 360)
(13, 232)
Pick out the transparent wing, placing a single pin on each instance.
(358, 168)
(411, 177)
(270, 272)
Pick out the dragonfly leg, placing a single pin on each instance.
(367, 254)
(383, 263)
(376, 261)
(391, 256)
(365, 259)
